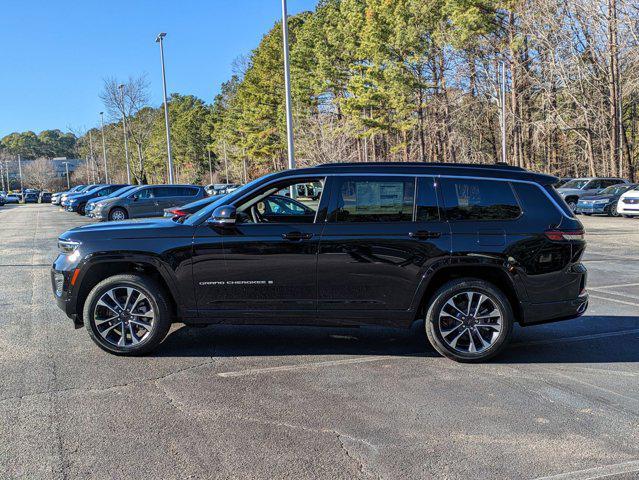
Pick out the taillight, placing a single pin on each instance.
(565, 235)
(179, 213)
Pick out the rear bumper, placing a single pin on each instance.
(536, 313)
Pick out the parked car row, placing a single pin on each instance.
(120, 202)
(28, 195)
(608, 196)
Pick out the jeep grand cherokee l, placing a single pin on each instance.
(468, 249)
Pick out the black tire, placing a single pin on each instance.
(114, 213)
(446, 293)
(157, 298)
(584, 213)
(612, 211)
(82, 209)
(628, 216)
(572, 204)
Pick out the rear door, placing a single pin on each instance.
(382, 235)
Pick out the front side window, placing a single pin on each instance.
(373, 199)
(145, 193)
(274, 204)
(469, 199)
(576, 184)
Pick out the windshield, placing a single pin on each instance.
(577, 184)
(120, 192)
(206, 212)
(615, 190)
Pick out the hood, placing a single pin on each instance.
(146, 228)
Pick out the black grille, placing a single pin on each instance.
(630, 201)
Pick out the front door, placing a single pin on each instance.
(263, 268)
(383, 234)
(143, 203)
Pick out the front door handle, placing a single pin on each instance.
(297, 236)
(424, 235)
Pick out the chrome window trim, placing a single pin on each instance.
(423, 175)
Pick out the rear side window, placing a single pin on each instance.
(470, 199)
(536, 204)
(187, 191)
(373, 199)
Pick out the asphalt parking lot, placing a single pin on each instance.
(242, 402)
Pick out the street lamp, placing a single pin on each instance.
(66, 165)
(287, 86)
(159, 39)
(104, 152)
(126, 140)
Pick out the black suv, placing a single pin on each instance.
(469, 249)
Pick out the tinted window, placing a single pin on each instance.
(168, 192)
(479, 200)
(281, 206)
(146, 193)
(373, 199)
(575, 184)
(427, 209)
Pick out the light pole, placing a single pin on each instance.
(104, 152)
(287, 85)
(502, 96)
(66, 166)
(126, 140)
(210, 166)
(20, 172)
(159, 39)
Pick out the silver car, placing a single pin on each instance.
(572, 190)
(147, 201)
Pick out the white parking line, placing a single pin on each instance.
(596, 472)
(620, 285)
(580, 338)
(634, 304)
(287, 368)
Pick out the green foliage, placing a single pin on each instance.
(49, 144)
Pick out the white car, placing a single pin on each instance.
(628, 204)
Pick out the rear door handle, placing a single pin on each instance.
(297, 236)
(424, 235)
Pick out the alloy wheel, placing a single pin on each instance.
(118, 215)
(124, 316)
(470, 322)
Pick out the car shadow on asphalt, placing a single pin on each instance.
(591, 339)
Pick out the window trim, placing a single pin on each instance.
(319, 178)
(333, 198)
(328, 176)
(455, 220)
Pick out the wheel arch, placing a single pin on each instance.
(494, 274)
(94, 271)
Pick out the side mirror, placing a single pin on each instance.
(224, 215)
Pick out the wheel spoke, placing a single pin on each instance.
(453, 343)
(481, 300)
(493, 326)
(451, 304)
(445, 333)
(102, 322)
(122, 341)
(469, 296)
(492, 314)
(141, 298)
(134, 339)
(106, 331)
(140, 323)
(471, 346)
(101, 303)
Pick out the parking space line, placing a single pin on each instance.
(619, 285)
(286, 368)
(592, 336)
(633, 304)
(596, 472)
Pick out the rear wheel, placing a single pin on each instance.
(118, 214)
(572, 204)
(82, 209)
(127, 314)
(469, 320)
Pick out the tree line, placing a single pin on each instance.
(403, 80)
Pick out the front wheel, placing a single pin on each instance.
(469, 320)
(118, 214)
(127, 314)
(572, 204)
(613, 212)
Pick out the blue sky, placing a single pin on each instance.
(55, 55)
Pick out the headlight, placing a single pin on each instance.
(67, 246)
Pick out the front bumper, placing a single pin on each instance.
(593, 208)
(628, 208)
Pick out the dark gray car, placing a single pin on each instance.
(147, 201)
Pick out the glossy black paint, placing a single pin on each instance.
(327, 273)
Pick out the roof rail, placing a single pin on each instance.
(499, 165)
